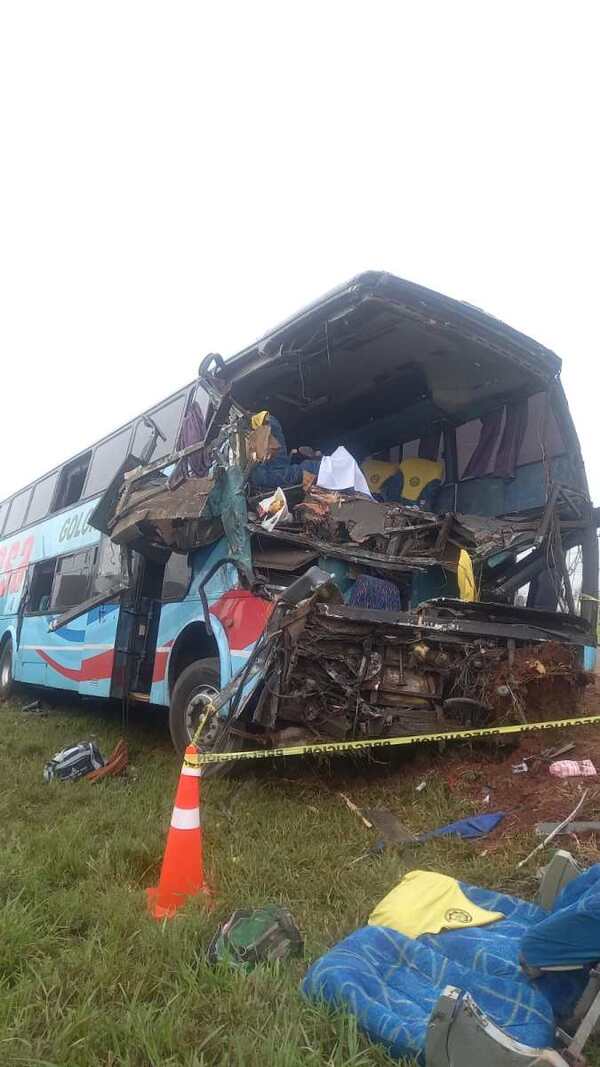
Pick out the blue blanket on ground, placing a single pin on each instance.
(391, 982)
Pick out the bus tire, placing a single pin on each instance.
(6, 671)
(203, 676)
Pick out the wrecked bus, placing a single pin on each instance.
(374, 521)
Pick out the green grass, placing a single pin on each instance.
(87, 979)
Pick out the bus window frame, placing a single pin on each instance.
(95, 448)
(45, 477)
(58, 488)
(27, 614)
(11, 533)
(154, 413)
(3, 514)
(91, 569)
(56, 559)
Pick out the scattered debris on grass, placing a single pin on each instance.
(75, 762)
(570, 768)
(115, 764)
(555, 832)
(85, 760)
(256, 935)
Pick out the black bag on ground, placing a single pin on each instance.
(74, 762)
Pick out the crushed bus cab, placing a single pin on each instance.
(373, 522)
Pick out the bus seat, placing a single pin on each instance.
(377, 472)
(413, 481)
(518, 984)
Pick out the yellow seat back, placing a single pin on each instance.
(417, 474)
(377, 471)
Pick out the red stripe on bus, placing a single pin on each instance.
(160, 663)
(243, 616)
(92, 669)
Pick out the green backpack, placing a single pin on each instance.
(256, 935)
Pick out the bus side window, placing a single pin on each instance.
(177, 577)
(72, 580)
(107, 575)
(168, 419)
(106, 460)
(70, 482)
(203, 401)
(18, 511)
(41, 498)
(40, 587)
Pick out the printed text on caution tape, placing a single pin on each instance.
(340, 747)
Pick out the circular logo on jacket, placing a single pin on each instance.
(414, 481)
(457, 915)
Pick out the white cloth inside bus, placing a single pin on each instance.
(341, 471)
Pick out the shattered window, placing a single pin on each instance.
(16, 515)
(108, 568)
(71, 584)
(167, 418)
(71, 481)
(42, 498)
(106, 461)
(42, 576)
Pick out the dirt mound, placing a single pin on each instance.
(534, 796)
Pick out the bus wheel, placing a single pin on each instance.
(6, 673)
(200, 678)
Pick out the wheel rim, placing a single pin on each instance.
(5, 673)
(193, 714)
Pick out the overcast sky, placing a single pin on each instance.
(178, 177)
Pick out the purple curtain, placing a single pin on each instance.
(512, 439)
(480, 460)
(193, 430)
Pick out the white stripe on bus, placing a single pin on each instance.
(71, 647)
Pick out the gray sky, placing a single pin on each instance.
(176, 178)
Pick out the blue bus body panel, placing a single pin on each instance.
(44, 658)
(237, 619)
(80, 656)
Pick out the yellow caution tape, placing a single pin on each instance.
(338, 748)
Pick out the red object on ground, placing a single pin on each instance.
(182, 873)
(115, 764)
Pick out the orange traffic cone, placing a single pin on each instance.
(182, 873)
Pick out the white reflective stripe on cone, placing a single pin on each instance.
(185, 818)
(192, 772)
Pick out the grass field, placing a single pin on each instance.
(89, 980)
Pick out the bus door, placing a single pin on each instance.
(137, 630)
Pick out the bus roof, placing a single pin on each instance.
(370, 293)
(95, 464)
